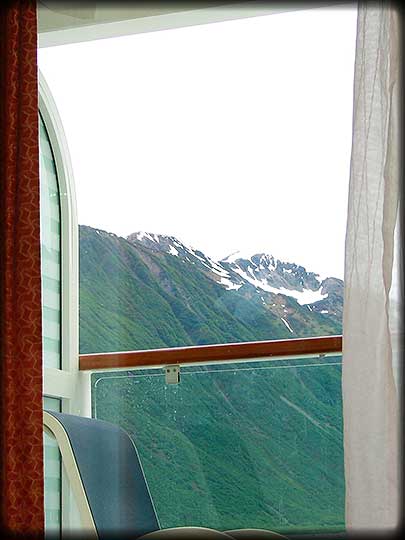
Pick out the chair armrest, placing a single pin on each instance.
(186, 533)
(254, 534)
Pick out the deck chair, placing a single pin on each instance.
(108, 482)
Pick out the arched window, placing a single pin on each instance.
(63, 385)
(59, 259)
(50, 253)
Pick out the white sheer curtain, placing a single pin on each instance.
(370, 396)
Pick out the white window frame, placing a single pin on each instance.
(80, 25)
(67, 383)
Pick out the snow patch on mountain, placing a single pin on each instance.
(229, 285)
(303, 297)
(260, 270)
(266, 261)
(287, 325)
(141, 235)
(173, 251)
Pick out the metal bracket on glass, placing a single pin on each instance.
(172, 374)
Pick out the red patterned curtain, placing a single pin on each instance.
(21, 475)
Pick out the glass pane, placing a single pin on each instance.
(50, 253)
(242, 445)
(52, 476)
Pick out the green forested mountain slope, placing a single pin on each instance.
(133, 296)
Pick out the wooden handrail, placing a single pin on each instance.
(208, 353)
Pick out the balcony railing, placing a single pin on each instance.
(209, 353)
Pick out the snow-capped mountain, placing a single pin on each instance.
(151, 291)
(263, 272)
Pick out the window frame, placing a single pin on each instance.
(68, 219)
(66, 384)
(55, 29)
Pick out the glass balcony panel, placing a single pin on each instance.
(237, 445)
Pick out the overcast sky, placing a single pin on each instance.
(230, 136)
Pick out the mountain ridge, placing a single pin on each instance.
(167, 294)
(266, 273)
